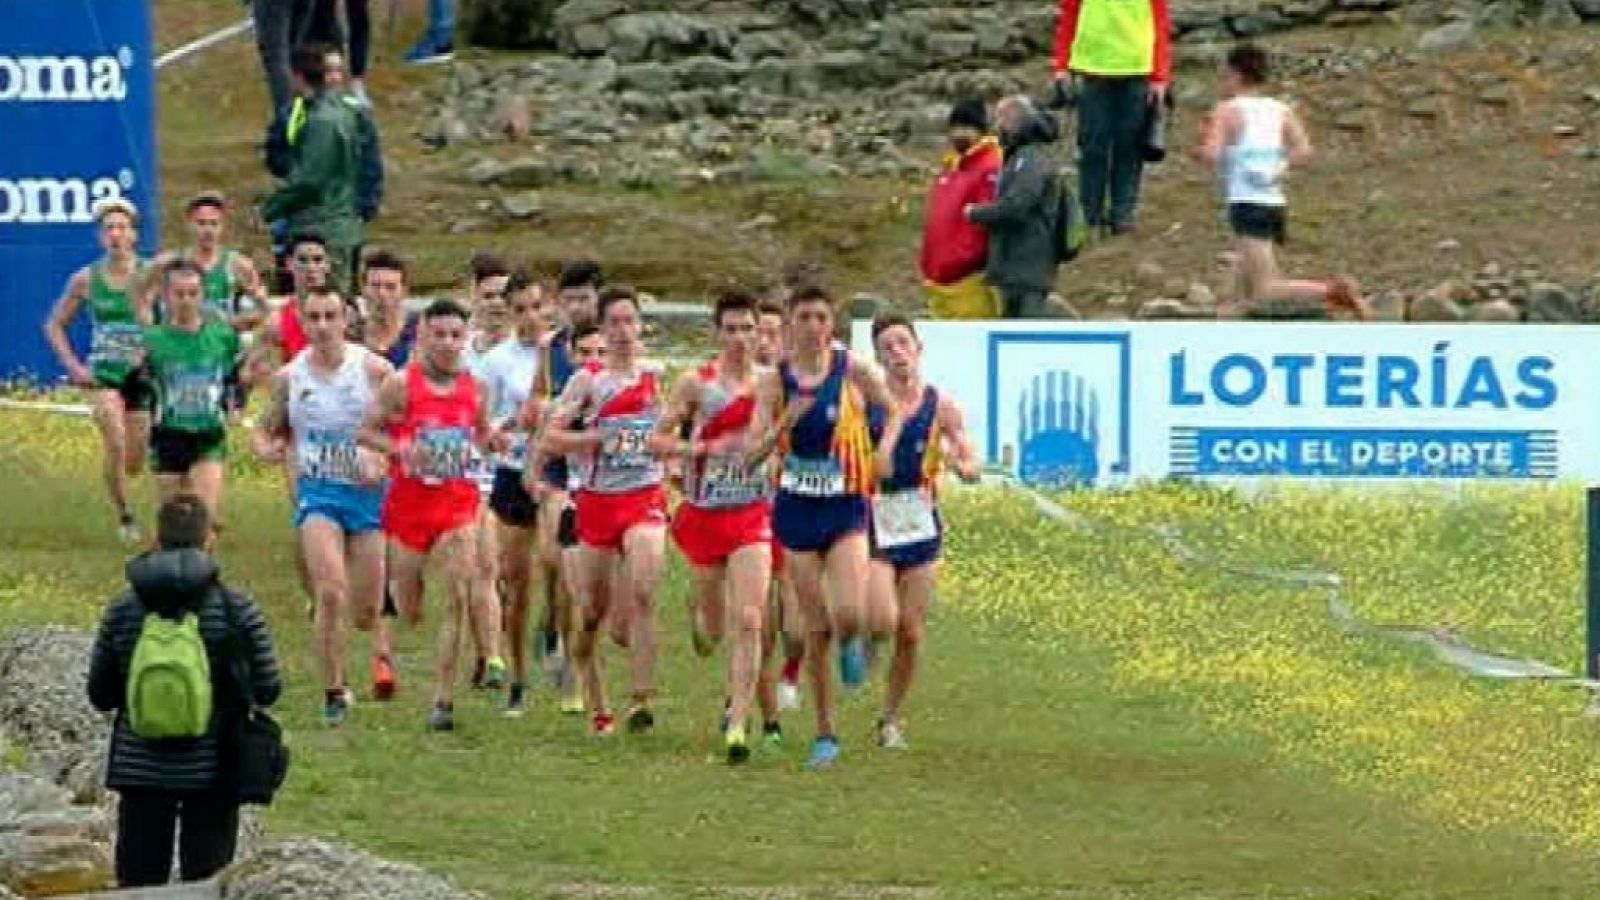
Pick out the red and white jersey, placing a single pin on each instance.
(721, 480)
(625, 411)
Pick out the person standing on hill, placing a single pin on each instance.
(1021, 221)
(954, 250)
(1115, 57)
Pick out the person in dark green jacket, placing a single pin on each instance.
(321, 193)
(1021, 221)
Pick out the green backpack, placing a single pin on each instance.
(1071, 230)
(169, 681)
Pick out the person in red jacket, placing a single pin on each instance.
(1115, 57)
(953, 249)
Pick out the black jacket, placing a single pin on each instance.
(170, 584)
(1021, 221)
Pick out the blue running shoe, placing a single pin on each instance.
(853, 662)
(824, 753)
(427, 52)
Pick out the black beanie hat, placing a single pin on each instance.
(971, 112)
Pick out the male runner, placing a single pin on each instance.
(282, 333)
(813, 407)
(769, 352)
(621, 504)
(387, 327)
(907, 532)
(231, 290)
(548, 477)
(507, 372)
(489, 326)
(724, 525)
(193, 364)
(119, 396)
(318, 403)
(428, 419)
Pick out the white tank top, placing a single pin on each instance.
(325, 412)
(1254, 164)
(508, 371)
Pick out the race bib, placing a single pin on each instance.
(516, 455)
(725, 482)
(903, 518)
(624, 443)
(194, 395)
(330, 456)
(117, 344)
(442, 454)
(812, 477)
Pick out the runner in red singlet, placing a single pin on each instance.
(430, 418)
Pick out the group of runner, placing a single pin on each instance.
(526, 439)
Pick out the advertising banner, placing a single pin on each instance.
(77, 125)
(1102, 403)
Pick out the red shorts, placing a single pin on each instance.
(708, 537)
(416, 516)
(605, 519)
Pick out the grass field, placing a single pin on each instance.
(1096, 720)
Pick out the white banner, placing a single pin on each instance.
(1109, 403)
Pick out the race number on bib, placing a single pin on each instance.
(442, 454)
(726, 482)
(195, 395)
(118, 343)
(516, 455)
(330, 456)
(903, 518)
(812, 477)
(624, 443)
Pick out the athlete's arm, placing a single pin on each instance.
(559, 437)
(486, 433)
(388, 407)
(958, 444)
(664, 441)
(145, 287)
(1213, 134)
(869, 379)
(1295, 137)
(768, 423)
(55, 327)
(249, 281)
(272, 429)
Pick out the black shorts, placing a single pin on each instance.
(1258, 222)
(567, 531)
(176, 452)
(510, 501)
(134, 388)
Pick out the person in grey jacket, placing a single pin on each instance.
(1022, 219)
(168, 781)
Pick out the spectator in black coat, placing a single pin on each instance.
(167, 781)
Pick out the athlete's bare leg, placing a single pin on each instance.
(643, 556)
(117, 463)
(806, 571)
(364, 565)
(405, 575)
(749, 574)
(484, 613)
(708, 591)
(204, 480)
(459, 550)
(516, 568)
(915, 590)
(552, 571)
(323, 545)
(593, 576)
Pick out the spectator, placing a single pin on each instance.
(437, 44)
(1116, 59)
(167, 780)
(358, 22)
(321, 192)
(953, 249)
(1021, 221)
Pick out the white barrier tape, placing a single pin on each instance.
(210, 40)
(1447, 647)
(67, 409)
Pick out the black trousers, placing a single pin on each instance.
(1111, 116)
(147, 822)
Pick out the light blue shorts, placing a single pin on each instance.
(356, 509)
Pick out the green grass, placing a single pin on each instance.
(1094, 720)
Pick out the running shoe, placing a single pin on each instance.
(442, 718)
(572, 705)
(429, 53)
(494, 677)
(604, 724)
(788, 696)
(556, 664)
(738, 746)
(128, 530)
(772, 734)
(853, 662)
(824, 752)
(335, 710)
(516, 700)
(891, 736)
(641, 720)
(383, 681)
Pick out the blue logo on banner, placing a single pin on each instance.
(77, 111)
(1071, 395)
(1363, 453)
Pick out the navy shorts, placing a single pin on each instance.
(815, 524)
(910, 556)
(510, 501)
(567, 531)
(1258, 222)
(556, 474)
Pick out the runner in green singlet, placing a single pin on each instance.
(192, 362)
(120, 400)
(231, 290)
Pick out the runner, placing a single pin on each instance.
(785, 695)
(387, 327)
(548, 477)
(508, 373)
(489, 326)
(1253, 140)
(317, 405)
(118, 394)
(193, 365)
(428, 419)
(621, 506)
(232, 291)
(814, 407)
(724, 524)
(907, 532)
(282, 333)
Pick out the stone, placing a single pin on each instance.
(1387, 306)
(1503, 14)
(1550, 302)
(1061, 308)
(710, 72)
(1494, 311)
(510, 24)
(1200, 296)
(1559, 14)
(651, 77)
(1167, 308)
(1448, 245)
(949, 48)
(525, 172)
(579, 12)
(48, 865)
(1149, 273)
(1452, 36)
(45, 711)
(322, 870)
(845, 69)
(1437, 305)
(526, 205)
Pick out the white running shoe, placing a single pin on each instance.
(891, 737)
(128, 532)
(788, 696)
